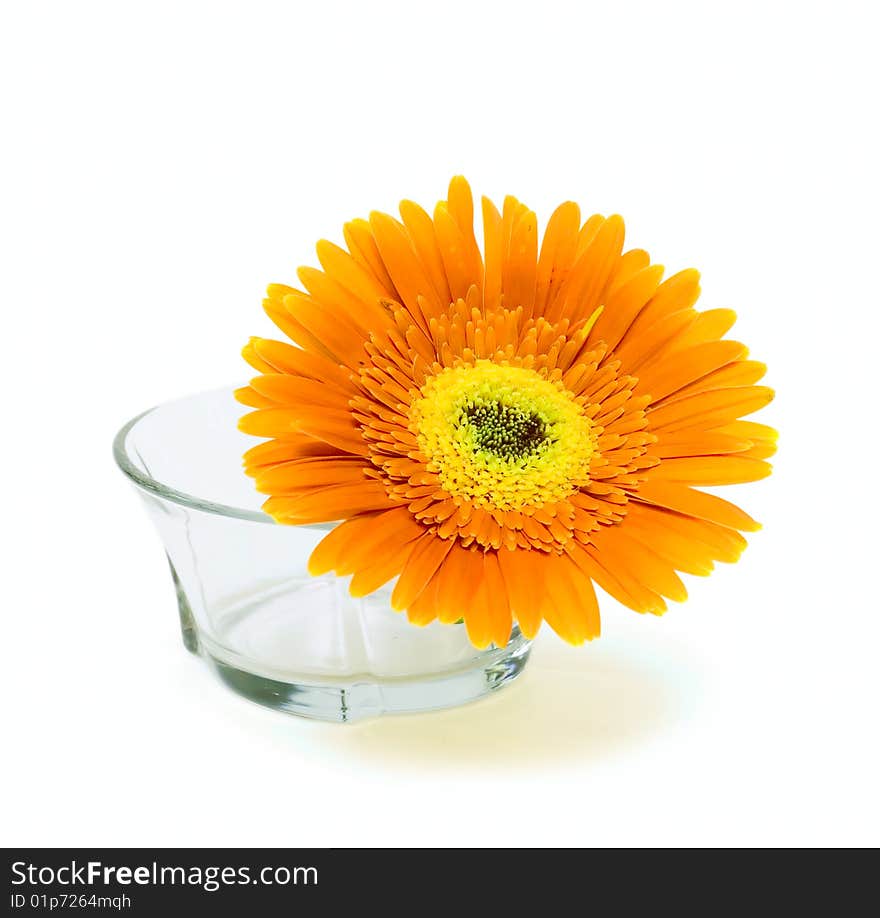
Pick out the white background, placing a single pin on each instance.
(162, 162)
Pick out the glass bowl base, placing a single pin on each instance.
(305, 647)
(352, 701)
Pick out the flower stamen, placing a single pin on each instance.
(503, 437)
(505, 430)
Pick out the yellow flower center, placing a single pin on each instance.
(503, 437)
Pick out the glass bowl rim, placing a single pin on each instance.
(160, 489)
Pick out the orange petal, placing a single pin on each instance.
(678, 292)
(254, 359)
(285, 390)
(387, 531)
(404, 267)
(297, 446)
(523, 579)
(593, 269)
(334, 427)
(708, 541)
(710, 470)
(615, 580)
(328, 504)
(493, 246)
(696, 503)
(289, 478)
(569, 606)
(498, 604)
(697, 443)
(709, 409)
(460, 202)
(708, 326)
(359, 239)
(285, 358)
(420, 227)
(622, 550)
(427, 556)
(360, 283)
(557, 253)
(639, 349)
(648, 525)
(462, 264)
(623, 304)
(247, 396)
(628, 265)
(275, 309)
(662, 379)
(476, 612)
(739, 373)
(383, 568)
(330, 552)
(750, 430)
(454, 587)
(339, 337)
(423, 610)
(520, 266)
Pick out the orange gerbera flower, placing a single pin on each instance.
(502, 429)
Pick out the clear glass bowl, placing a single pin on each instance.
(247, 604)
